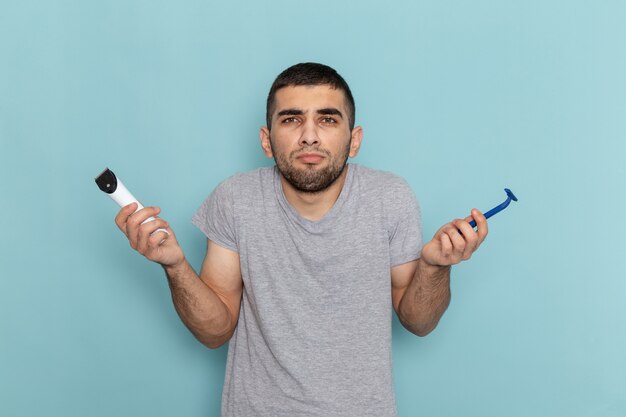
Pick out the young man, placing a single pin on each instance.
(305, 262)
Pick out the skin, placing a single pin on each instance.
(302, 125)
(310, 136)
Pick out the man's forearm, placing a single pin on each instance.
(198, 306)
(426, 298)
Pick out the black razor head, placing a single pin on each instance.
(107, 181)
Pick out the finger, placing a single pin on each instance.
(464, 227)
(144, 214)
(146, 230)
(482, 227)
(134, 222)
(446, 245)
(470, 237)
(456, 237)
(140, 216)
(123, 215)
(159, 237)
(481, 224)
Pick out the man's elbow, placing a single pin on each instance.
(422, 332)
(214, 341)
(419, 329)
(215, 344)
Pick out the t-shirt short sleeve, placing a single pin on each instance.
(405, 229)
(215, 217)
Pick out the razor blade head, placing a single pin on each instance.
(510, 194)
(107, 181)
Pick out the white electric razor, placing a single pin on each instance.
(110, 184)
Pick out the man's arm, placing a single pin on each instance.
(208, 304)
(421, 289)
(421, 294)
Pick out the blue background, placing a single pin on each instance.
(461, 98)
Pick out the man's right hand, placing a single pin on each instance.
(158, 247)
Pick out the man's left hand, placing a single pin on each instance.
(455, 241)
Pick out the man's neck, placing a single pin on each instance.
(314, 206)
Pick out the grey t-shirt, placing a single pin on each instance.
(314, 330)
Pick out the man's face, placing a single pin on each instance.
(310, 137)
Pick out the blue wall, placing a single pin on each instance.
(461, 98)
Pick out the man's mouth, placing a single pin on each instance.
(310, 158)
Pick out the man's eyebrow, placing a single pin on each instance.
(330, 111)
(290, 112)
(324, 111)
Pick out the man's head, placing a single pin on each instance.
(309, 74)
(310, 131)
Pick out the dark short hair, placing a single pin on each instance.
(309, 73)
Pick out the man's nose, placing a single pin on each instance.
(309, 135)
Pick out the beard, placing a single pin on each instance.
(311, 179)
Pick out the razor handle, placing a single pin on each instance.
(111, 185)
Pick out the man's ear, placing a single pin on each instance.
(265, 142)
(355, 144)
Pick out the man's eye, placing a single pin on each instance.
(289, 120)
(328, 120)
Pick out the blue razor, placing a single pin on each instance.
(497, 209)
